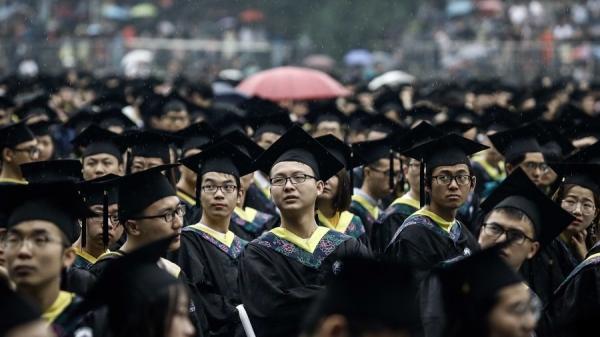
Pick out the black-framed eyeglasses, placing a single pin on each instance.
(534, 166)
(445, 179)
(168, 217)
(295, 179)
(513, 235)
(13, 241)
(32, 151)
(229, 188)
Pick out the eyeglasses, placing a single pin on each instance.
(513, 235)
(295, 179)
(533, 306)
(114, 218)
(461, 179)
(229, 188)
(32, 151)
(168, 217)
(587, 208)
(529, 165)
(13, 241)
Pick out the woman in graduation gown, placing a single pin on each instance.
(283, 270)
(333, 204)
(579, 195)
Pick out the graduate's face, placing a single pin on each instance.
(46, 146)
(580, 202)
(330, 189)
(412, 173)
(266, 139)
(36, 254)
(517, 252)
(22, 153)
(337, 326)
(513, 315)
(139, 164)
(150, 230)
(534, 166)
(94, 225)
(377, 177)
(39, 328)
(329, 127)
(99, 165)
(295, 197)
(219, 204)
(452, 195)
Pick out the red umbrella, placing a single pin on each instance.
(292, 83)
(251, 16)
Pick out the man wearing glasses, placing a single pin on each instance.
(520, 148)
(519, 212)
(19, 146)
(283, 270)
(209, 250)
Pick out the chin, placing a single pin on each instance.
(174, 246)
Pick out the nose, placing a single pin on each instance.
(453, 184)
(288, 185)
(529, 322)
(24, 251)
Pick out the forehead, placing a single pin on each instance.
(451, 169)
(580, 192)
(534, 157)
(148, 159)
(328, 124)
(27, 143)
(164, 203)
(290, 167)
(100, 156)
(111, 207)
(29, 226)
(500, 217)
(217, 177)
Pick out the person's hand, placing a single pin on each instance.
(578, 242)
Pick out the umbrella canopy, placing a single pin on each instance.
(490, 7)
(391, 78)
(292, 83)
(358, 57)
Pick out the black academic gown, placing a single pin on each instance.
(69, 324)
(213, 270)
(574, 310)
(197, 305)
(388, 224)
(193, 211)
(548, 269)
(78, 281)
(422, 244)
(279, 280)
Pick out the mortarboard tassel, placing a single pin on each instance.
(84, 233)
(351, 173)
(391, 175)
(197, 192)
(105, 219)
(422, 184)
(402, 182)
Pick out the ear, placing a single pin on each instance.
(535, 247)
(333, 326)
(69, 256)
(132, 228)
(320, 187)
(473, 183)
(121, 169)
(7, 155)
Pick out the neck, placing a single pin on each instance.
(366, 188)
(414, 194)
(9, 172)
(448, 214)
(326, 208)
(219, 224)
(301, 223)
(187, 188)
(131, 245)
(43, 295)
(93, 248)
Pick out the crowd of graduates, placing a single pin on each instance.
(152, 208)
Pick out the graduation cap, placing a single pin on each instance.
(325, 112)
(359, 120)
(463, 114)
(297, 145)
(447, 150)
(139, 190)
(243, 143)
(131, 281)
(225, 119)
(81, 119)
(385, 125)
(95, 140)
(36, 107)
(52, 171)
(15, 310)
(222, 157)
(518, 191)
(14, 134)
(583, 174)
(150, 143)
(340, 150)
(453, 126)
(589, 154)
(99, 191)
(421, 133)
(266, 116)
(58, 203)
(422, 112)
(386, 299)
(497, 118)
(196, 136)
(41, 128)
(6, 103)
(554, 145)
(113, 116)
(519, 141)
(370, 151)
(468, 285)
